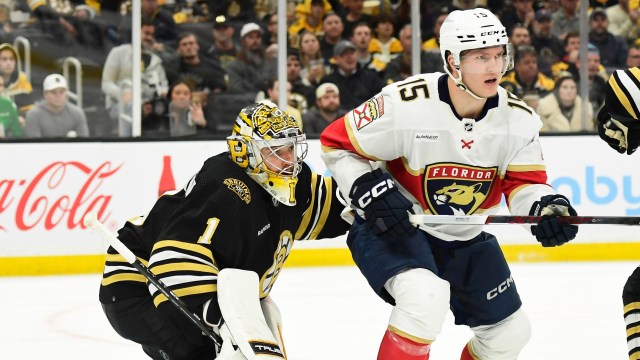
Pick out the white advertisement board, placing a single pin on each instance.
(45, 189)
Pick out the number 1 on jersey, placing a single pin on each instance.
(212, 225)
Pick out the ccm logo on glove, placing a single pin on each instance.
(376, 191)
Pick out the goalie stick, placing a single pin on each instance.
(510, 219)
(91, 221)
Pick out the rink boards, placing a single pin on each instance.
(45, 190)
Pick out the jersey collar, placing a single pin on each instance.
(443, 92)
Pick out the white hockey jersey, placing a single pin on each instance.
(444, 164)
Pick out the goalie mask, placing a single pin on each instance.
(268, 143)
(472, 29)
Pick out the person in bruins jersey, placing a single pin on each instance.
(450, 143)
(242, 210)
(619, 126)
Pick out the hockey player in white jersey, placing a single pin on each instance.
(619, 126)
(447, 144)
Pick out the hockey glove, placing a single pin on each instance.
(386, 210)
(551, 230)
(621, 134)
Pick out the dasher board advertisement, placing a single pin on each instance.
(46, 189)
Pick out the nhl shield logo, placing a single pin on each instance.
(457, 189)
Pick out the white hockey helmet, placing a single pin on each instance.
(472, 29)
(265, 126)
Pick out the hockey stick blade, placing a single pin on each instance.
(510, 219)
(91, 222)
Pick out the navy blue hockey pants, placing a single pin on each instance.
(482, 289)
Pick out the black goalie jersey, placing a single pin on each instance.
(222, 219)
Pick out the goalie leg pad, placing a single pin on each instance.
(422, 302)
(501, 341)
(238, 297)
(274, 320)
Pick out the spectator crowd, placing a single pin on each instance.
(202, 61)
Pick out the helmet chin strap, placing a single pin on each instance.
(458, 82)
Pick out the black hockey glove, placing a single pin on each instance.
(551, 231)
(386, 210)
(621, 134)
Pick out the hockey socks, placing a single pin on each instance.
(396, 347)
(466, 353)
(631, 300)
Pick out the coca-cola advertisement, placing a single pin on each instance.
(46, 193)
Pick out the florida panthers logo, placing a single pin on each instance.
(455, 189)
(459, 196)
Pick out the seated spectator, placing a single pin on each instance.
(525, 77)
(361, 39)
(308, 21)
(548, 46)
(10, 125)
(326, 111)
(250, 70)
(313, 65)
(118, 68)
(55, 116)
(520, 12)
(597, 78)
(613, 49)
(400, 67)
(356, 84)
(354, 15)
(633, 58)
(623, 20)
(384, 47)
(206, 76)
(185, 111)
(302, 96)
(224, 47)
(566, 18)
(520, 36)
(561, 110)
(17, 86)
(433, 44)
(333, 33)
(166, 28)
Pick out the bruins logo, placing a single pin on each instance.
(240, 188)
(271, 121)
(455, 189)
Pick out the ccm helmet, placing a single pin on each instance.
(472, 29)
(259, 133)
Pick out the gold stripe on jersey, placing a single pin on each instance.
(192, 290)
(121, 259)
(308, 213)
(194, 248)
(137, 277)
(515, 191)
(621, 94)
(354, 140)
(525, 168)
(328, 186)
(633, 331)
(183, 266)
(631, 306)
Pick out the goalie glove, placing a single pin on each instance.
(386, 210)
(551, 231)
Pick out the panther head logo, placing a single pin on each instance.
(462, 199)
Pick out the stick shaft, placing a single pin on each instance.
(509, 219)
(91, 221)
